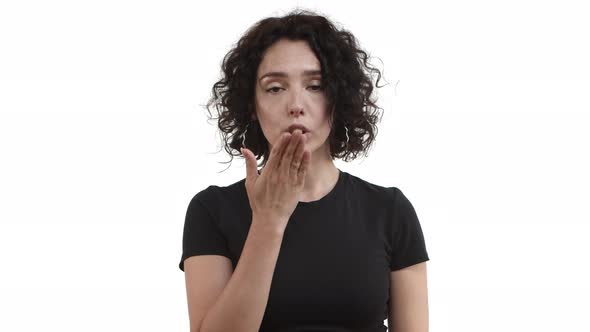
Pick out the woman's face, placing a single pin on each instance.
(290, 95)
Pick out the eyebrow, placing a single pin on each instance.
(283, 74)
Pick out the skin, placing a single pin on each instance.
(297, 99)
(408, 311)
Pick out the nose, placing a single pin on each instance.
(296, 111)
(296, 106)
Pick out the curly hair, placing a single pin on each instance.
(346, 81)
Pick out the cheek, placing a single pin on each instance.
(267, 106)
(267, 100)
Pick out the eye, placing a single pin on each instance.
(272, 89)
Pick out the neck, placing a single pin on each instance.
(321, 176)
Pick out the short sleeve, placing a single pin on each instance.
(201, 235)
(408, 247)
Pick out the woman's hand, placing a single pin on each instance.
(273, 195)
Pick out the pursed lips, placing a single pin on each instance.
(291, 129)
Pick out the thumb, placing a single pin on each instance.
(251, 167)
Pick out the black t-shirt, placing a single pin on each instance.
(333, 268)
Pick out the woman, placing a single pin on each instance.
(301, 245)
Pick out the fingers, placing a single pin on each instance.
(276, 153)
(297, 159)
(289, 164)
(287, 156)
(251, 166)
(306, 156)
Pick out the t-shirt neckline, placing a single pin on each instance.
(329, 196)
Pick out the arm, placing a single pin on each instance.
(241, 305)
(408, 311)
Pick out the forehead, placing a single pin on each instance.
(292, 57)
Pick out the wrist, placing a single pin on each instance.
(269, 224)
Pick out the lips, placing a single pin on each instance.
(297, 126)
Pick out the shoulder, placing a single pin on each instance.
(389, 200)
(215, 195)
(374, 191)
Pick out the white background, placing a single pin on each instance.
(104, 141)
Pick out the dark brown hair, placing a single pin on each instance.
(346, 81)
